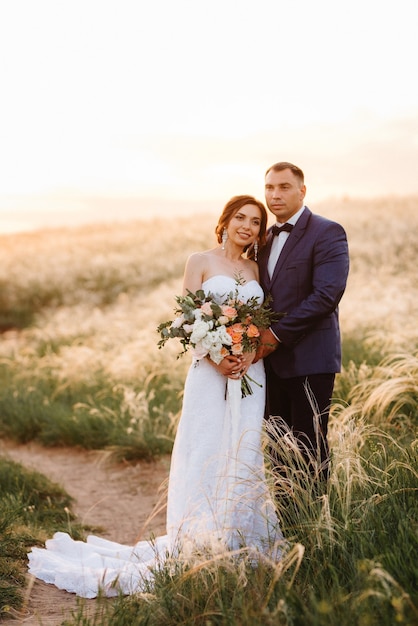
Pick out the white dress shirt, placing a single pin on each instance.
(279, 241)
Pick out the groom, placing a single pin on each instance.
(304, 266)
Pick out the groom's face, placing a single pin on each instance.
(284, 194)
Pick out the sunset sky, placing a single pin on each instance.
(109, 103)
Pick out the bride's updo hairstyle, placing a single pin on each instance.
(233, 206)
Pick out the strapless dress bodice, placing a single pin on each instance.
(221, 285)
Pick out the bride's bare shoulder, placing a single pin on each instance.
(198, 267)
(200, 263)
(200, 258)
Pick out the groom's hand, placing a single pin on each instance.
(268, 344)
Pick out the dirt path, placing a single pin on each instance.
(125, 501)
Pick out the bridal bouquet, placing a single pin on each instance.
(218, 327)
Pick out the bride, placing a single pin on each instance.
(217, 495)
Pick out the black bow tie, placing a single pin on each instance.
(276, 230)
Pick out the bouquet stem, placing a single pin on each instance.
(246, 389)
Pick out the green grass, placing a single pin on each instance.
(32, 508)
(358, 349)
(96, 414)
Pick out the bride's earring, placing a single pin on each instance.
(255, 250)
(224, 238)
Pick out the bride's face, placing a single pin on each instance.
(244, 226)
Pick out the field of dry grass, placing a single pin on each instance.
(110, 285)
(80, 307)
(79, 366)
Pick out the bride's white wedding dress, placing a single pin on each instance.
(217, 495)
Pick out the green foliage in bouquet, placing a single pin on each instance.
(217, 326)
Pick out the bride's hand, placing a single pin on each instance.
(235, 366)
(231, 366)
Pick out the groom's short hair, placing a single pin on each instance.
(284, 165)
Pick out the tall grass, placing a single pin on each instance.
(351, 557)
(79, 365)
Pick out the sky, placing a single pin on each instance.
(114, 107)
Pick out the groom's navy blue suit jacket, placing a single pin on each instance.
(308, 283)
